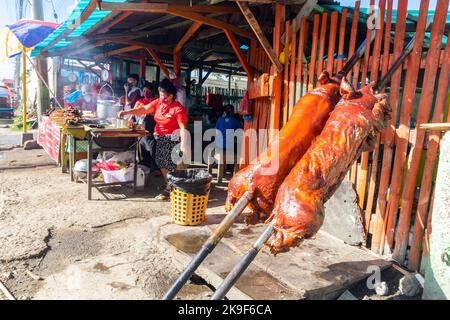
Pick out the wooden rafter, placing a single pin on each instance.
(195, 26)
(158, 61)
(186, 12)
(144, 45)
(305, 11)
(241, 57)
(117, 51)
(164, 7)
(212, 22)
(248, 14)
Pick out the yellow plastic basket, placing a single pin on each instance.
(188, 209)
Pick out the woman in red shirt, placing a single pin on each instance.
(170, 117)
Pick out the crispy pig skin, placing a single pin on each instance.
(307, 121)
(299, 204)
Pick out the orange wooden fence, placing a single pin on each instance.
(394, 182)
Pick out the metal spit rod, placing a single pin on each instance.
(209, 245)
(243, 264)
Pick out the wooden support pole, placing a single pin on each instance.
(374, 77)
(195, 26)
(340, 62)
(312, 63)
(275, 102)
(362, 173)
(142, 64)
(301, 49)
(158, 61)
(259, 34)
(323, 36)
(239, 54)
(286, 74)
(332, 42)
(177, 64)
(292, 69)
(305, 11)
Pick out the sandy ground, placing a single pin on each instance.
(107, 248)
(99, 249)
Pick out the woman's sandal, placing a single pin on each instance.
(165, 195)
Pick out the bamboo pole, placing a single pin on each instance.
(389, 137)
(353, 34)
(364, 167)
(301, 49)
(340, 62)
(415, 154)
(405, 118)
(312, 63)
(373, 77)
(351, 50)
(24, 90)
(332, 42)
(292, 69)
(323, 35)
(286, 72)
(275, 102)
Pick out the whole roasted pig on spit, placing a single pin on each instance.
(264, 177)
(351, 128)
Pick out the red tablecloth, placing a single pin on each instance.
(49, 137)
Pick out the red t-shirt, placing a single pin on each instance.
(167, 116)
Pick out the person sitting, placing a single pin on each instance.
(225, 128)
(170, 117)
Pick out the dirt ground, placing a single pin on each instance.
(99, 249)
(55, 244)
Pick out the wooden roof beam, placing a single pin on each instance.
(158, 61)
(248, 14)
(239, 54)
(144, 45)
(195, 26)
(163, 7)
(305, 11)
(212, 22)
(185, 12)
(116, 52)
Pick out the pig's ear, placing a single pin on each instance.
(346, 89)
(324, 77)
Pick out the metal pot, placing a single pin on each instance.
(107, 109)
(121, 123)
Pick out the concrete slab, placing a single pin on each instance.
(343, 218)
(320, 269)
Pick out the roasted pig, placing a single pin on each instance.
(351, 129)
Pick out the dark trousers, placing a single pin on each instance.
(148, 145)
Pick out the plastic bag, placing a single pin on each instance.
(245, 108)
(193, 181)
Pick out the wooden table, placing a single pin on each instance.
(125, 139)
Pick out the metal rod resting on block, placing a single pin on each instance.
(209, 245)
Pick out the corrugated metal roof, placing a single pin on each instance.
(91, 21)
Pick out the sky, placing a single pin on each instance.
(64, 7)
